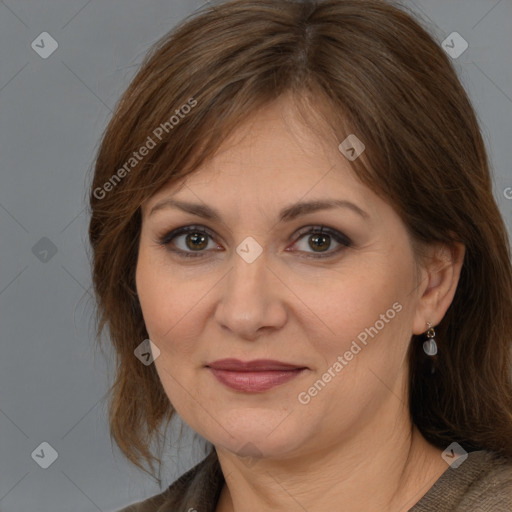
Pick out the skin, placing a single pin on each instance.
(353, 443)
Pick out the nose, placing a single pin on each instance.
(252, 299)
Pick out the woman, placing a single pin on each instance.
(293, 203)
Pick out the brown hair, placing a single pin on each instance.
(382, 75)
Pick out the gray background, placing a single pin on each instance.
(52, 114)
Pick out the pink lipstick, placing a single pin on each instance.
(253, 376)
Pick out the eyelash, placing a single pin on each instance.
(336, 235)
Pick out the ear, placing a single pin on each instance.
(440, 279)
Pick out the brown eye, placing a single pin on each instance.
(319, 241)
(189, 241)
(196, 241)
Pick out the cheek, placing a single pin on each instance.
(170, 302)
(168, 306)
(364, 317)
(343, 304)
(361, 335)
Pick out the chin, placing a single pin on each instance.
(253, 435)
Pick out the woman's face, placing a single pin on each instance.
(338, 306)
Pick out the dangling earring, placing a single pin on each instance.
(430, 345)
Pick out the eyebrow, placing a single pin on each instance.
(286, 215)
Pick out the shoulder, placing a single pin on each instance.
(198, 488)
(491, 490)
(482, 482)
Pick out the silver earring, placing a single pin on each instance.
(430, 345)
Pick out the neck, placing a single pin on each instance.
(380, 472)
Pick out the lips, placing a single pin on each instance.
(253, 376)
(256, 365)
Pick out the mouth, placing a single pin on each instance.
(254, 376)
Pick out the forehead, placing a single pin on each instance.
(274, 156)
